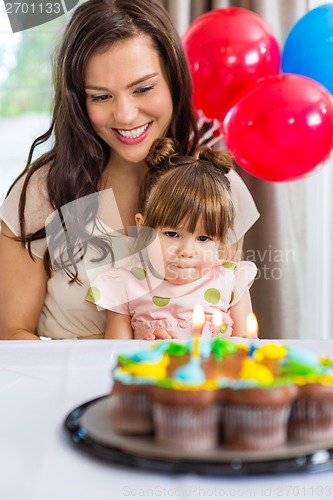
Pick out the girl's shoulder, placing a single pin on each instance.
(236, 267)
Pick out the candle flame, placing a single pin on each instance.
(198, 318)
(217, 318)
(252, 326)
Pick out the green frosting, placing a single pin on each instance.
(176, 349)
(221, 347)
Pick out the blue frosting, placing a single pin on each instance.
(128, 378)
(152, 355)
(191, 373)
(303, 357)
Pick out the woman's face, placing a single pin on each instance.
(128, 97)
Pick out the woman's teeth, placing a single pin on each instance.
(132, 134)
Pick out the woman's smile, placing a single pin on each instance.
(134, 135)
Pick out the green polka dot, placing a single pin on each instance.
(230, 265)
(212, 295)
(139, 273)
(93, 294)
(231, 297)
(223, 328)
(160, 301)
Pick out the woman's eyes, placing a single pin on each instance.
(144, 90)
(107, 97)
(100, 98)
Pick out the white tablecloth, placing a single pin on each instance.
(41, 382)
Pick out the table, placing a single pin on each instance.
(42, 381)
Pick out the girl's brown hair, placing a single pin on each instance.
(182, 189)
(79, 156)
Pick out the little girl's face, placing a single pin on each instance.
(187, 256)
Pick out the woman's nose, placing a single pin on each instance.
(124, 111)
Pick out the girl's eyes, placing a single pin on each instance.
(204, 238)
(171, 234)
(174, 234)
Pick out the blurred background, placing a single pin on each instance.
(292, 242)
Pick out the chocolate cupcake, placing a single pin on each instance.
(185, 414)
(130, 406)
(311, 417)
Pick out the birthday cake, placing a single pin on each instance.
(206, 393)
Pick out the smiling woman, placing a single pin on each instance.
(60, 222)
(131, 107)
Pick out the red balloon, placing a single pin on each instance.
(227, 50)
(281, 128)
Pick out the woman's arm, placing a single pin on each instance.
(239, 313)
(22, 289)
(118, 326)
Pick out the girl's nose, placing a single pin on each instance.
(186, 250)
(124, 111)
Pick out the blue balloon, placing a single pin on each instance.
(308, 49)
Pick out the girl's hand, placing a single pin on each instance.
(159, 334)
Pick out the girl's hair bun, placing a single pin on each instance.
(222, 160)
(161, 153)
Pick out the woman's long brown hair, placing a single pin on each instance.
(78, 157)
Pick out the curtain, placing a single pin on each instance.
(281, 242)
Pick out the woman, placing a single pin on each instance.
(121, 81)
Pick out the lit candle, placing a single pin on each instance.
(251, 326)
(198, 320)
(217, 320)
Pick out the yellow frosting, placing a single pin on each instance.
(270, 351)
(208, 385)
(156, 370)
(253, 371)
(314, 379)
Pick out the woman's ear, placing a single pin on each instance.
(139, 219)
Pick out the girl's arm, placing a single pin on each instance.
(22, 289)
(239, 313)
(118, 326)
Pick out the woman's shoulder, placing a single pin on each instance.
(37, 206)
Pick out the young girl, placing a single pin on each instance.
(187, 203)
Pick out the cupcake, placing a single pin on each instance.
(131, 408)
(256, 404)
(184, 411)
(312, 412)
